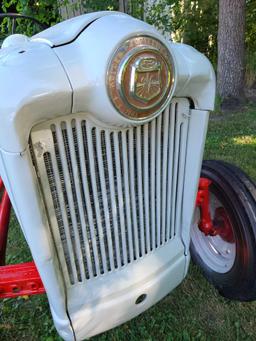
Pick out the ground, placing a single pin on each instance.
(193, 311)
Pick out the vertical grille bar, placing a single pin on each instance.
(120, 196)
(164, 162)
(171, 144)
(132, 191)
(152, 184)
(85, 176)
(181, 170)
(105, 199)
(93, 172)
(158, 179)
(175, 180)
(127, 195)
(146, 186)
(139, 191)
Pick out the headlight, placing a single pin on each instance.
(140, 77)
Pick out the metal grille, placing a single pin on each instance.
(111, 194)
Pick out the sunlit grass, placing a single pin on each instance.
(233, 138)
(245, 140)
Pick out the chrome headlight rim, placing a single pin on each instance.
(127, 50)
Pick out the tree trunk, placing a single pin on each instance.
(71, 8)
(123, 6)
(231, 52)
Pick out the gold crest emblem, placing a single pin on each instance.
(140, 77)
(146, 78)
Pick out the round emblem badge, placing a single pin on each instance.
(140, 77)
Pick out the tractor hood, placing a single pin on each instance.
(67, 31)
(63, 70)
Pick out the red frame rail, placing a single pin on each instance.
(17, 279)
(20, 280)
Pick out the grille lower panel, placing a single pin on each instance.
(111, 194)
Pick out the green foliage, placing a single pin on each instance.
(160, 13)
(250, 42)
(46, 11)
(250, 72)
(250, 38)
(99, 5)
(191, 22)
(200, 23)
(137, 9)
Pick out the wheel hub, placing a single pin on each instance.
(212, 233)
(222, 225)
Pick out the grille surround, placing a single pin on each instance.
(102, 214)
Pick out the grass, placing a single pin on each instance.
(193, 311)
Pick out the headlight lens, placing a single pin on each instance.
(140, 77)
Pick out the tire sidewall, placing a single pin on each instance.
(244, 266)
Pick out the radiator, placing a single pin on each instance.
(110, 193)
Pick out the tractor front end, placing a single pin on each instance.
(103, 126)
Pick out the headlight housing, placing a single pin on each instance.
(140, 77)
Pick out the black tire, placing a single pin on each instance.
(237, 194)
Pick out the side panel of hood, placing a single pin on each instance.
(33, 88)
